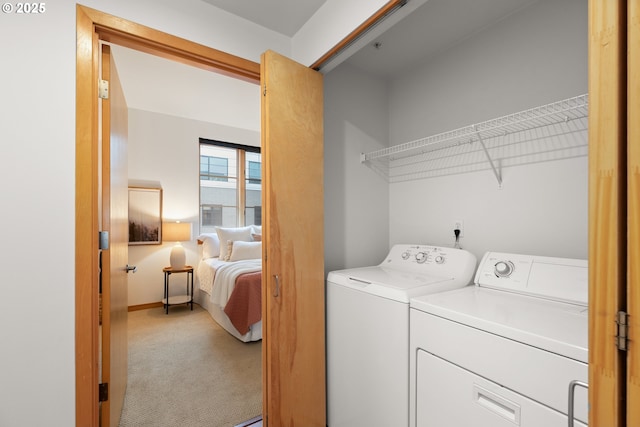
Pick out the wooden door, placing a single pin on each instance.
(633, 200)
(114, 260)
(293, 264)
(607, 213)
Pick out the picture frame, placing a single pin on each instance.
(145, 216)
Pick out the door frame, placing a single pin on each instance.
(93, 26)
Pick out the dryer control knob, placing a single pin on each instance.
(503, 268)
(405, 255)
(439, 259)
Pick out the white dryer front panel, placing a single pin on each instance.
(540, 375)
(450, 396)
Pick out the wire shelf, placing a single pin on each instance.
(549, 132)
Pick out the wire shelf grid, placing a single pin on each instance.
(548, 132)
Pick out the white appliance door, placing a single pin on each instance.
(367, 359)
(450, 396)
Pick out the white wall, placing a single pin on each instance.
(37, 82)
(164, 152)
(536, 56)
(37, 174)
(356, 198)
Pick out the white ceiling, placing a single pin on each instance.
(159, 85)
(283, 16)
(432, 28)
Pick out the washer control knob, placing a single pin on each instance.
(406, 255)
(439, 259)
(421, 257)
(503, 268)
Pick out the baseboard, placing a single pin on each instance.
(145, 306)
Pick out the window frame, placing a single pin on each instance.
(211, 175)
(242, 178)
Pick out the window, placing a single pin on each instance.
(254, 172)
(211, 215)
(214, 168)
(230, 185)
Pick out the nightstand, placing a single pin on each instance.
(177, 299)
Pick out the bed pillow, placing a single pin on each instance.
(245, 250)
(242, 234)
(210, 245)
(256, 233)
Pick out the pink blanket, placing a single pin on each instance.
(244, 307)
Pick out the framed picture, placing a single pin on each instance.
(145, 216)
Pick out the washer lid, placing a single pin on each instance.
(399, 285)
(554, 326)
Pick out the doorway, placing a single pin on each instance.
(163, 151)
(93, 26)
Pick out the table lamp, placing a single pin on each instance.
(177, 232)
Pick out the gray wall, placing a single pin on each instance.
(536, 56)
(533, 57)
(356, 198)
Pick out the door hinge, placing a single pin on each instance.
(103, 240)
(622, 330)
(103, 392)
(264, 90)
(103, 89)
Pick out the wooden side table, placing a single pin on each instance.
(178, 299)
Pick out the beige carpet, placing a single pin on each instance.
(185, 370)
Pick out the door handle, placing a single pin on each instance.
(276, 292)
(131, 268)
(497, 404)
(572, 391)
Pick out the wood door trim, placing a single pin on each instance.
(105, 409)
(86, 225)
(135, 36)
(607, 207)
(633, 215)
(91, 27)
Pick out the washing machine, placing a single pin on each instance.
(510, 351)
(368, 330)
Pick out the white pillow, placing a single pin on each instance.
(257, 229)
(242, 234)
(245, 250)
(210, 245)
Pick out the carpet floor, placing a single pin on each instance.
(185, 370)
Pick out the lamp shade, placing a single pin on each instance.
(176, 231)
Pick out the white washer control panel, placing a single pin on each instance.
(439, 260)
(419, 254)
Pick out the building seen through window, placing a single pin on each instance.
(230, 186)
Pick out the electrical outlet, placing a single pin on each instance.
(459, 225)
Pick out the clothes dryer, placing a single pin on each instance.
(511, 350)
(368, 331)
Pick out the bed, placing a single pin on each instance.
(229, 280)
